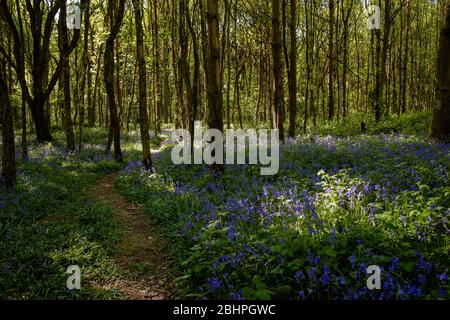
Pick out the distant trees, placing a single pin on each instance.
(206, 60)
(40, 21)
(440, 126)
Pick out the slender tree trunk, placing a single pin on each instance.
(117, 80)
(87, 79)
(196, 75)
(183, 67)
(157, 59)
(293, 69)
(237, 94)
(215, 100)
(378, 81)
(308, 58)
(440, 126)
(92, 110)
(346, 17)
(8, 143)
(133, 89)
(179, 105)
(143, 116)
(24, 130)
(277, 74)
(116, 17)
(382, 60)
(405, 60)
(331, 65)
(63, 42)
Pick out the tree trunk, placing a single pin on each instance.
(116, 17)
(440, 126)
(381, 60)
(346, 17)
(277, 75)
(404, 76)
(92, 109)
(143, 115)
(63, 42)
(40, 32)
(378, 81)
(157, 59)
(293, 69)
(8, 147)
(331, 62)
(308, 58)
(196, 74)
(215, 102)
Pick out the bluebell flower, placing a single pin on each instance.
(214, 283)
(352, 260)
(421, 279)
(325, 278)
(363, 268)
(236, 295)
(341, 281)
(395, 264)
(299, 276)
(413, 290)
(333, 235)
(302, 295)
(312, 274)
(443, 277)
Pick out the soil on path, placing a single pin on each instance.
(142, 254)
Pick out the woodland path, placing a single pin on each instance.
(142, 253)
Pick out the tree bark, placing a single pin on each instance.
(404, 76)
(277, 75)
(63, 43)
(196, 73)
(440, 126)
(293, 69)
(8, 146)
(92, 110)
(116, 17)
(331, 65)
(381, 60)
(215, 99)
(143, 115)
(158, 86)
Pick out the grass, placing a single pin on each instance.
(416, 124)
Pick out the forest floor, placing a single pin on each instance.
(358, 200)
(142, 253)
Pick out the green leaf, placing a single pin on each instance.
(329, 251)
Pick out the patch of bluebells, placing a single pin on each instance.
(313, 223)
